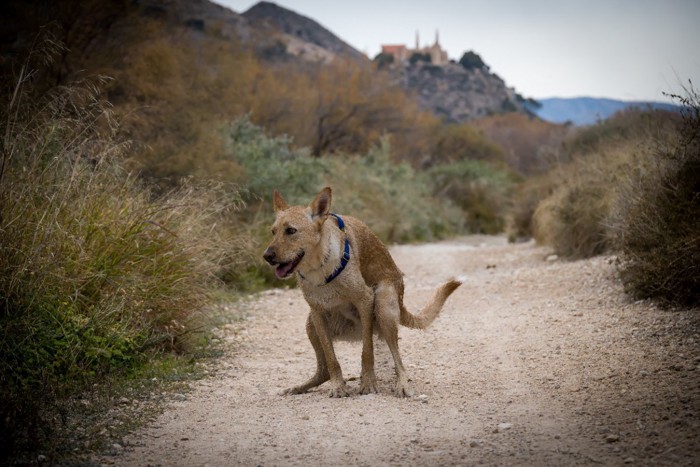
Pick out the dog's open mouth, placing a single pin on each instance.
(284, 270)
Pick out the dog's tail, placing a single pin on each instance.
(431, 310)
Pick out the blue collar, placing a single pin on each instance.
(346, 252)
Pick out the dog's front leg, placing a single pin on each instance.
(321, 375)
(338, 388)
(365, 307)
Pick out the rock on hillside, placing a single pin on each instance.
(301, 36)
(457, 94)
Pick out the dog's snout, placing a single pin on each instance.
(269, 255)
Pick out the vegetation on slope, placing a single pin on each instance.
(628, 185)
(656, 219)
(96, 270)
(578, 193)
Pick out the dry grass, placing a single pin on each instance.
(96, 270)
(656, 219)
(571, 204)
(630, 185)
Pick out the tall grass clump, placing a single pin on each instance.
(572, 218)
(577, 196)
(96, 271)
(656, 221)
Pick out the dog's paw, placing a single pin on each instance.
(368, 386)
(292, 391)
(402, 390)
(339, 390)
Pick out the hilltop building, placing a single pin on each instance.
(401, 53)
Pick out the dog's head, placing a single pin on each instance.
(296, 232)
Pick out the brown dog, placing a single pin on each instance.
(352, 285)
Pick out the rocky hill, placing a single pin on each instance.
(457, 94)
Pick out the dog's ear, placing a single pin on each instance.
(321, 205)
(278, 202)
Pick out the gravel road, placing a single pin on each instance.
(533, 361)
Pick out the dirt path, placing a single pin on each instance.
(533, 361)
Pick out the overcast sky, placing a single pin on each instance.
(620, 49)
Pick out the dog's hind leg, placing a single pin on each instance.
(321, 375)
(388, 313)
(365, 306)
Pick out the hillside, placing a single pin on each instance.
(449, 91)
(299, 35)
(589, 110)
(457, 94)
(183, 69)
(198, 31)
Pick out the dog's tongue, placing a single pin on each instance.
(283, 269)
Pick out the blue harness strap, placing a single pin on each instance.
(346, 251)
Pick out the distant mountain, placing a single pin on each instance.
(299, 35)
(589, 110)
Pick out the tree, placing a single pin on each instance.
(472, 61)
(383, 60)
(419, 57)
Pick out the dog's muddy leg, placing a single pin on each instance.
(387, 308)
(320, 324)
(321, 375)
(365, 307)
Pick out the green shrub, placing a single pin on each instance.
(95, 269)
(269, 163)
(472, 60)
(419, 57)
(390, 197)
(383, 60)
(480, 189)
(657, 219)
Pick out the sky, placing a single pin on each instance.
(619, 49)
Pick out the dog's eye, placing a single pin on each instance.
(290, 231)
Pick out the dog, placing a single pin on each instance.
(352, 286)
